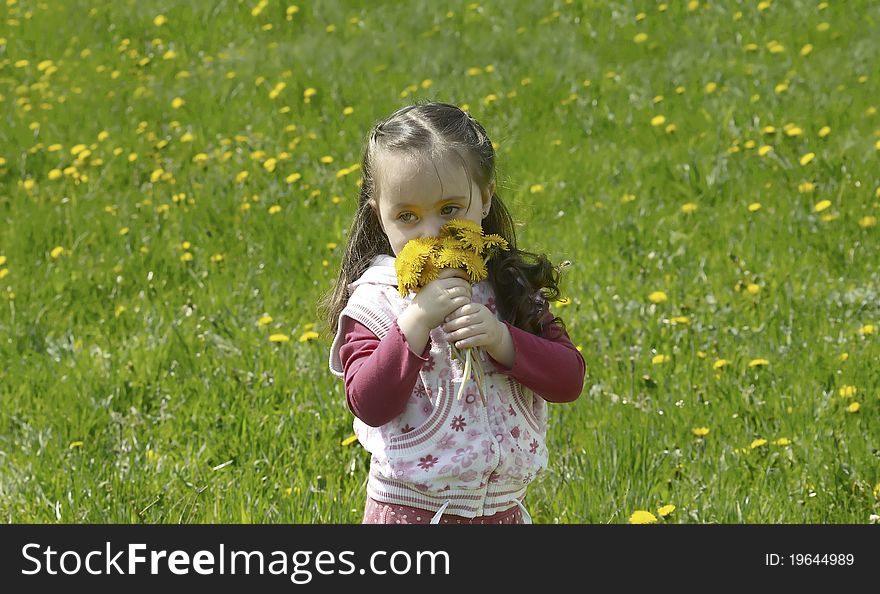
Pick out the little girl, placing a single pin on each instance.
(437, 458)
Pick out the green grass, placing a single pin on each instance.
(178, 408)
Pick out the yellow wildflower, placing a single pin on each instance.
(642, 517)
(309, 335)
(665, 510)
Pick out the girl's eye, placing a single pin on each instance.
(406, 217)
(448, 209)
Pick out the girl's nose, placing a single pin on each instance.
(430, 229)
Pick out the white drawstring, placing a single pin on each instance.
(439, 514)
(527, 518)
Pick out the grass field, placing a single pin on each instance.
(176, 184)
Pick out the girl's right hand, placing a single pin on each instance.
(439, 298)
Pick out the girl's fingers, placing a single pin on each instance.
(471, 341)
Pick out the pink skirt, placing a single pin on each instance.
(376, 512)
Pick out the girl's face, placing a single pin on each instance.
(415, 197)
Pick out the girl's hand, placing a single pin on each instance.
(439, 298)
(473, 325)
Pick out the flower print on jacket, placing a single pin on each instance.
(470, 401)
(402, 469)
(447, 442)
(458, 423)
(427, 462)
(488, 449)
(465, 456)
(515, 432)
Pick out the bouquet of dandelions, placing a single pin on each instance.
(462, 245)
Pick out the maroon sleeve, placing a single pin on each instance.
(379, 374)
(550, 366)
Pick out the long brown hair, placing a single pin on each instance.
(523, 282)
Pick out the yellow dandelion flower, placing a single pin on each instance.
(56, 252)
(711, 87)
(217, 258)
(349, 440)
(536, 189)
(186, 257)
(293, 177)
(853, 408)
(764, 150)
(55, 174)
(824, 131)
(279, 338)
(2, 260)
(700, 431)
(658, 359)
(807, 158)
(269, 164)
(274, 209)
(688, 207)
(75, 444)
(720, 363)
(754, 206)
(242, 175)
(867, 221)
(658, 120)
(758, 362)
(348, 111)
(758, 443)
(475, 267)
(806, 187)
(782, 441)
(753, 288)
(177, 102)
(847, 391)
(657, 297)
(326, 159)
(160, 20)
(640, 37)
(822, 205)
(665, 510)
(866, 329)
(152, 456)
(642, 517)
(309, 335)
(264, 320)
(450, 254)
(806, 50)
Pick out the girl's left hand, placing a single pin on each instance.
(473, 325)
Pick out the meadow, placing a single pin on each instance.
(176, 184)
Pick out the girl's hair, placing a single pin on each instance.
(522, 281)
